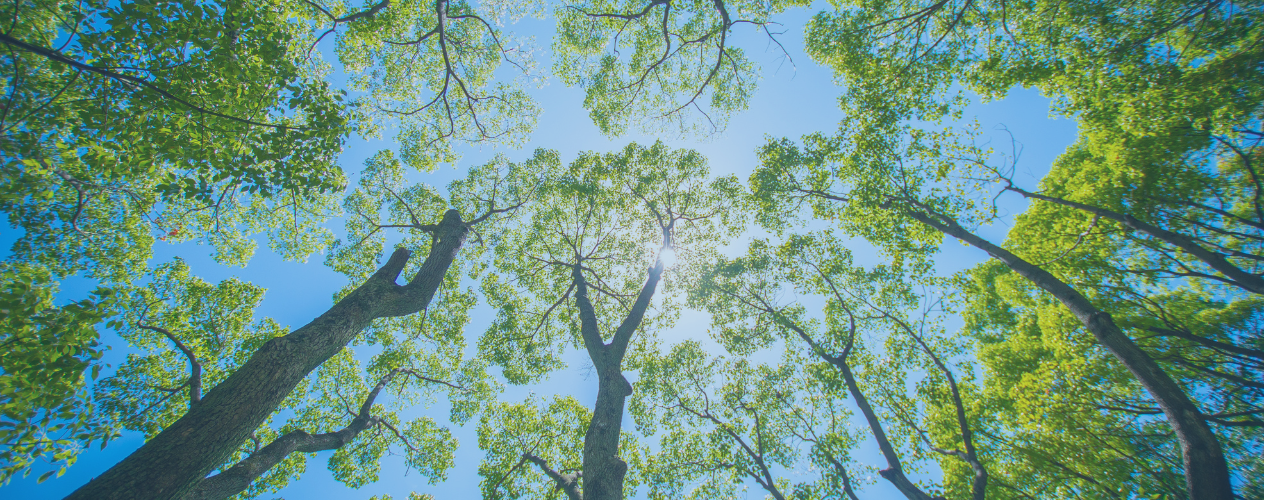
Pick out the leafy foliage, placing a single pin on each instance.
(581, 270)
(610, 214)
(125, 124)
(46, 411)
(681, 69)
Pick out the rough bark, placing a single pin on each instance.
(239, 477)
(1206, 471)
(171, 463)
(603, 469)
(1250, 282)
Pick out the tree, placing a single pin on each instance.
(136, 122)
(1167, 67)
(1157, 92)
(140, 102)
(229, 413)
(866, 345)
(195, 335)
(1064, 397)
(1154, 266)
(169, 61)
(1119, 321)
(875, 188)
(578, 269)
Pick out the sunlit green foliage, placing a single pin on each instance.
(604, 209)
(46, 411)
(1149, 215)
(725, 422)
(610, 225)
(508, 432)
(840, 324)
(125, 124)
(179, 321)
(429, 68)
(661, 63)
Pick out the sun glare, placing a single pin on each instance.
(668, 256)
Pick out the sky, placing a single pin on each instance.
(794, 98)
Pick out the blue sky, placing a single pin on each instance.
(791, 101)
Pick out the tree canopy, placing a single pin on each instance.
(625, 323)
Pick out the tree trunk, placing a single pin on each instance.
(1206, 472)
(239, 477)
(175, 460)
(603, 469)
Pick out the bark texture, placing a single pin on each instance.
(1206, 471)
(603, 469)
(174, 461)
(239, 477)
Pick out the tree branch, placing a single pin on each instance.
(1243, 279)
(61, 58)
(568, 483)
(195, 366)
(239, 477)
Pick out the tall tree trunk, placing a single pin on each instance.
(1206, 471)
(175, 460)
(603, 469)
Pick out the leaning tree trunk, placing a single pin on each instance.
(894, 473)
(1206, 471)
(171, 463)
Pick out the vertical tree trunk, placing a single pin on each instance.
(603, 469)
(171, 463)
